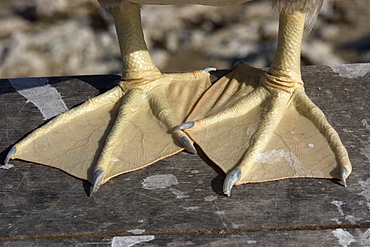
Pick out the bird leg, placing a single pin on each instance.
(261, 126)
(126, 128)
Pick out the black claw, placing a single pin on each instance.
(231, 179)
(11, 153)
(186, 125)
(188, 144)
(98, 178)
(343, 176)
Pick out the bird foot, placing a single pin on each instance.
(127, 128)
(264, 129)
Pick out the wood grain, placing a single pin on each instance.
(40, 206)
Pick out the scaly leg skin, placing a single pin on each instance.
(261, 126)
(126, 128)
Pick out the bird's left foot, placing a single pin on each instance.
(259, 128)
(124, 129)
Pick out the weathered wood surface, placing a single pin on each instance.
(42, 206)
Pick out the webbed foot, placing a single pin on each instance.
(122, 130)
(260, 132)
(261, 126)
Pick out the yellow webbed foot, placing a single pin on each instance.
(124, 129)
(257, 132)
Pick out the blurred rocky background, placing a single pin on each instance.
(64, 37)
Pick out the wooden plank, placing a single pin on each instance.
(336, 237)
(333, 237)
(39, 202)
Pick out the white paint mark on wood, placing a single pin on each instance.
(191, 208)
(7, 166)
(353, 219)
(130, 240)
(160, 181)
(237, 225)
(349, 218)
(40, 93)
(336, 221)
(210, 198)
(365, 238)
(365, 123)
(365, 186)
(136, 231)
(178, 193)
(344, 237)
(339, 205)
(351, 70)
